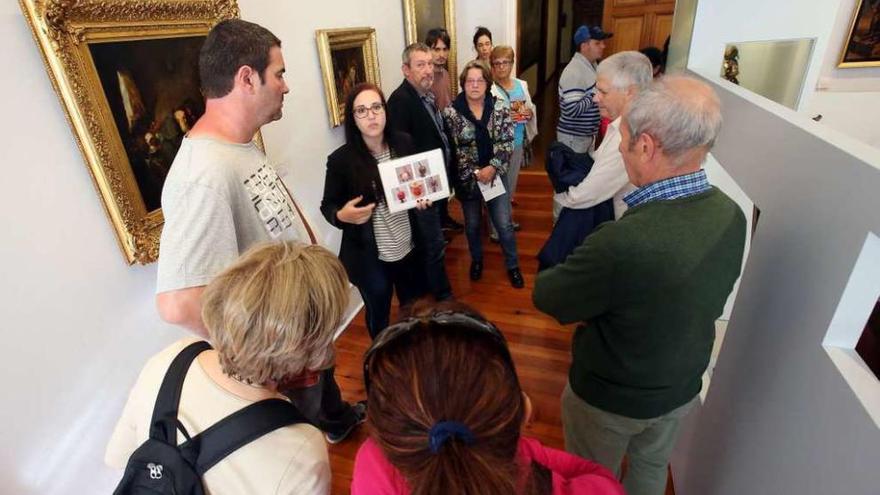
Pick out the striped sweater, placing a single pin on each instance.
(579, 115)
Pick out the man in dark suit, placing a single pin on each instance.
(411, 109)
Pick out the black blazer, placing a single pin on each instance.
(406, 113)
(358, 241)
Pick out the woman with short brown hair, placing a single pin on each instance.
(482, 130)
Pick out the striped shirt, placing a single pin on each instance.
(392, 230)
(578, 114)
(677, 187)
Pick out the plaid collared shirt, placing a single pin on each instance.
(681, 186)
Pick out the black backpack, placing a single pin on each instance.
(160, 466)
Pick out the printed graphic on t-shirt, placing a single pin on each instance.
(270, 200)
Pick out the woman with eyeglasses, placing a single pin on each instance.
(378, 247)
(447, 414)
(514, 92)
(483, 132)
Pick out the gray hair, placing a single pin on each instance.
(414, 47)
(625, 69)
(680, 112)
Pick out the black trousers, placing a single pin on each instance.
(434, 247)
(323, 406)
(378, 281)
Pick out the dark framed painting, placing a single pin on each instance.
(349, 70)
(126, 75)
(152, 89)
(348, 57)
(862, 48)
(529, 34)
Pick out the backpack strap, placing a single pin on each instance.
(237, 430)
(164, 424)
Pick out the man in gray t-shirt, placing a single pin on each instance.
(222, 196)
(219, 199)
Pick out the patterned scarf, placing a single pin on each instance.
(485, 150)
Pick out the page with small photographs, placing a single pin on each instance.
(412, 178)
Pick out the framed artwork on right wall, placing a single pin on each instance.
(862, 47)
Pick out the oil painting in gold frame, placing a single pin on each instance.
(348, 57)
(862, 48)
(127, 76)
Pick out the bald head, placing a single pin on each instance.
(681, 113)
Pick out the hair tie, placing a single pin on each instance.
(444, 430)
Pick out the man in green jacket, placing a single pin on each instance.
(648, 289)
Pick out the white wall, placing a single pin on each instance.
(497, 15)
(848, 99)
(78, 323)
(775, 69)
(856, 113)
(779, 417)
(719, 22)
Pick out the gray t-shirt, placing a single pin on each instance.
(219, 199)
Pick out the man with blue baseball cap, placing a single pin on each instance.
(579, 115)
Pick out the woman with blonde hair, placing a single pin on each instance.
(515, 93)
(271, 317)
(447, 412)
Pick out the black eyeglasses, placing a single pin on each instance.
(362, 111)
(442, 318)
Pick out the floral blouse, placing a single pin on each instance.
(501, 128)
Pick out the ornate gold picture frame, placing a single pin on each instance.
(127, 76)
(348, 57)
(862, 48)
(419, 16)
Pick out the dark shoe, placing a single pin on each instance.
(516, 227)
(516, 278)
(450, 224)
(477, 270)
(360, 411)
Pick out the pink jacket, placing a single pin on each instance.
(374, 475)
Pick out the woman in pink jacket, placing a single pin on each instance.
(446, 411)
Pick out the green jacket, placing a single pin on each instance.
(648, 289)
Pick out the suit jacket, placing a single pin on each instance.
(358, 241)
(406, 113)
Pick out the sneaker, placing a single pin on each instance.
(360, 410)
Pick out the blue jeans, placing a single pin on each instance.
(500, 216)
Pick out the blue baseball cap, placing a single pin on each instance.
(585, 33)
